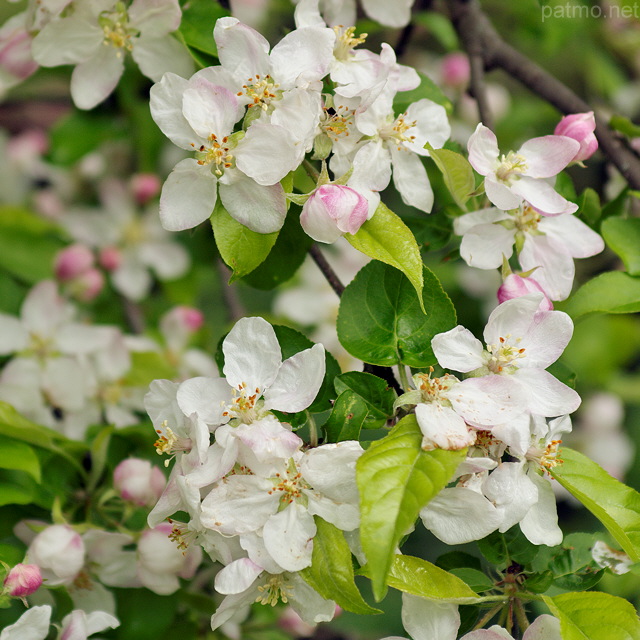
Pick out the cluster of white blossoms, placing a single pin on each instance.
(250, 121)
(252, 494)
(508, 403)
(528, 212)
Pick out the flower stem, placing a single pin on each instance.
(404, 379)
(313, 431)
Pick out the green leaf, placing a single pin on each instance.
(426, 89)
(439, 26)
(378, 397)
(198, 19)
(99, 451)
(610, 292)
(19, 456)
(380, 320)
(477, 580)
(147, 366)
(331, 571)
(623, 236)
(589, 206)
(242, 249)
(347, 418)
(396, 479)
(625, 126)
(386, 238)
(613, 503)
(10, 493)
(457, 172)
(501, 549)
(591, 615)
(285, 258)
(421, 578)
(16, 426)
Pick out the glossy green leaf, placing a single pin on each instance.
(380, 320)
(19, 456)
(610, 292)
(331, 571)
(613, 503)
(623, 236)
(396, 479)
(501, 549)
(421, 578)
(198, 19)
(11, 493)
(374, 391)
(385, 237)
(457, 173)
(347, 418)
(242, 249)
(591, 615)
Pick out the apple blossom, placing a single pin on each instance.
(73, 261)
(455, 70)
(79, 625)
(520, 175)
(101, 34)
(59, 553)
(515, 285)
(32, 624)
(138, 481)
(580, 127)
(16, 61)
(22, 580)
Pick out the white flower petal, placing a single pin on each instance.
(94, 79)
(484, 245)
(81, 40)
(548, 155)
(442, 428)
(209, 109)
(554, 267)
(269, 440)
(458, 349)
(540, 524)
(576, 237)
(544, 627)
(429, 619)
(157, 56)
(499, 194)
(13, 336)
(33, 624)
(288, 536)
(206, 397)
(542, 196)
(483, 150)
(546, 395)
(237, 576)
(166, 110)
(241, 49)
(411, 180)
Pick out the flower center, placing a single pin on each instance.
(274, 591)
(346, 42)
(260, 91)
(527, 220)
(290, 484)
(218, 154)
(243, 404)
(396, 131)
(181, 535)
(511, 166)
(547, 458)
(335, 122)
(170, 443)
(40, 347)
(500, 357)
(116, 29)
(433, 389)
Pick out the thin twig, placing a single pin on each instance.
(468, 18)
(133, 315)
(327, 269)
(479, 90)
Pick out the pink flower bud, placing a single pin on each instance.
(59, 552)
(139, 481)
(15, 52)
(87, 286)
(23, 580)
(73, 262)
(333, 210)
(580, 127)
(186, 317)
(515, 286)
(110, 258)
(455, 70)
(145, 186)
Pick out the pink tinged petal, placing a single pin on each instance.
(166, 110)
(432, 126)
(241, 49)
(466, 222)
(237, 576)
(395, 14)
(288, 537)
(512, 318)
(547, 156)
(298, 381)
(488, 400)
(261, 209)
(499, 194)
(188, 196)
(580, 127)
(429, 619)
(267, 153)
(546, 339)
(155, 17)
(93, 80)
(547, 396)
(157, 56)
(485, 245)
(458, 349)
(556, 268)
(233, 605)
(459, 515)
(411, 180)
(443, 428)
(81, 41)
(206, 397)
(33, 624)
(303, 56)
(13, 336)
(544, 627)
(209, 109)
(540, 524)
(372, 166)
(515, 286)
(578, 239)
(483, 150)
(252, 355)
(269, 440)
(317, 222)
(542, 196)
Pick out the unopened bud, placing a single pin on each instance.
(455, 70)
(515, 286)
(72, 262)
(139, 481)
(145, 186)
(23, 580)
(87, 286)
(580, 127)
(110, 258)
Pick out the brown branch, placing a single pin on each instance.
(470, 21)
(327, 269)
